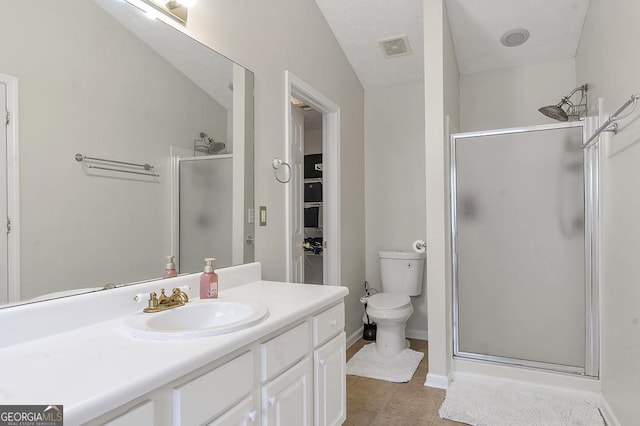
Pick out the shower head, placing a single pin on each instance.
(573, 111)
(555, 112)
(208, 145)
(215, 147)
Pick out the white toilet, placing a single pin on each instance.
(401, 277)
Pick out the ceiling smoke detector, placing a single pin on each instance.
(396, 46)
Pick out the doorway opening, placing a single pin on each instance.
(313, 197)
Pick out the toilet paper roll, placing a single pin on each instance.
(419, 246)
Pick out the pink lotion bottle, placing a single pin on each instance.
(170, 268)
(209, 281)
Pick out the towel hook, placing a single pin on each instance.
(276, 163)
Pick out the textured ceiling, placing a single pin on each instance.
(476, 27)
(359, 24)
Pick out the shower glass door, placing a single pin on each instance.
(523, 213)
(205, 214)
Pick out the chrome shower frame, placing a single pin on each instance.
(591, 227)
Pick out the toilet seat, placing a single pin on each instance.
(387, 301)
(390, 312)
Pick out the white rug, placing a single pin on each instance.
(367, 363)
(505, 405)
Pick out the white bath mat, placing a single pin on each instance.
(506, 405)
(400, 368)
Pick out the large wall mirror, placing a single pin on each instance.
(102, 80)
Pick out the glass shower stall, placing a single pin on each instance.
(524, 205)
(205, 216)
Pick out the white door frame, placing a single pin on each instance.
(330, 175)
(13, 189)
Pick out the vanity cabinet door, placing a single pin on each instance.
(286, 400)
(243, 414)
(329, 382)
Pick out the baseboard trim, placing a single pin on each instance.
(416, 334)
(437, 381)
(354, 337)
(607, 413)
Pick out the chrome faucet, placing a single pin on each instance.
(162, 303)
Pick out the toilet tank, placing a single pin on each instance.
(401, 271)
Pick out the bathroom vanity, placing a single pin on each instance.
(287, 369)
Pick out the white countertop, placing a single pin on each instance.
(96, 368)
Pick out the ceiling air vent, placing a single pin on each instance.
(396, 46)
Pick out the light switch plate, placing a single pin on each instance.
(262, 218)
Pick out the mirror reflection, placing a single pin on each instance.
(138, 100)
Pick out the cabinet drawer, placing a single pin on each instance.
(283, 351)
(207, 396)
(142, 415)
(243, 414)
(328, 324)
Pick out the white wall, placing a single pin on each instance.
(511, 97)
(451, 78)
(395, 181)
(438, 300)
(608, 60)
(312, 141)
(81, 77)
(269, 38)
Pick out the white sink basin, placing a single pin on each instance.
(198, 318)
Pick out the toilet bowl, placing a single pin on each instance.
(390, 312)
(401, 277)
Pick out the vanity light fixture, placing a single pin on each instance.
(174, 4)
(171, 12)
(152, 13)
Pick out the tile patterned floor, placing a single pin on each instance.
(376, 402)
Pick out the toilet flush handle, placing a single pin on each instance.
(419, 246)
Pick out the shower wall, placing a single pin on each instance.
(511, 97)
(608, 60)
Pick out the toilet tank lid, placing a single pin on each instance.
(388, 301)
(399, 254)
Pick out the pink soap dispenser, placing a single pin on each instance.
(170, 268)
(209, 281)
